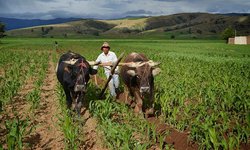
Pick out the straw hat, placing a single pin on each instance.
(105, 44)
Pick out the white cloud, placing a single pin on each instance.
(104, 9)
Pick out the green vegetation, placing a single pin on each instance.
(203, 88)
(16, 67)
(38, 69)
(227, 33)
(182, 26)
(13, 73)
(68, 126)
(122, 129)
(17, 130)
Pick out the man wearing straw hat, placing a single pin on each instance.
(108, 56)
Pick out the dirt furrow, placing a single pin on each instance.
(92, 139)
(47, 134)
(17, 108)
(179, 140)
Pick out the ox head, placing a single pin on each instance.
(143, 73)
(79, 71)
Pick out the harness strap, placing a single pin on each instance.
(82, 65)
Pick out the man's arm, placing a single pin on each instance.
(114, 60)
(97, 61)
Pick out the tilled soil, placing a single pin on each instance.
(49, 131)
(47, 134)
(93, 140)
(179, 140)
(17, 108)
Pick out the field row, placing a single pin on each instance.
(203, 89)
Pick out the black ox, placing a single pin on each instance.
(138, 76)
(73, 73)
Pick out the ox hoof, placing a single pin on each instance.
(137, 110)
(132, 104)
(150, 111)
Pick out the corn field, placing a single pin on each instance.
(203, 91)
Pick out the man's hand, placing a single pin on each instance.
(117, 71)
(97, 63)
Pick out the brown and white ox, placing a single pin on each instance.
(138, 76)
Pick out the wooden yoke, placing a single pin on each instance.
(112, 72)
(93, 63)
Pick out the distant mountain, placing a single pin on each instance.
(236, 14)
(184, 25)
(12, 23)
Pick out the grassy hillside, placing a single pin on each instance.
(186, 25)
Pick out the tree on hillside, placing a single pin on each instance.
(2, 26)
(227, 33)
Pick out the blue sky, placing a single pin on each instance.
(108, 9)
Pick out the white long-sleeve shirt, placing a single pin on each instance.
(110, 57)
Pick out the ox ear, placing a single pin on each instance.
(131, 73)
(156, 71)
(71, 61)
(152, 63)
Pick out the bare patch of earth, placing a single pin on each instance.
(18, 107)
(92, 138)
(179, 140)
(47, 134)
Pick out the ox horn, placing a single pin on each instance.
(135, 64)
(71, 61)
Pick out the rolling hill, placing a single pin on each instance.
(12, 23)
(185, 25)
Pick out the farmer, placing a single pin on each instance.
(56, 46)
(108, 56)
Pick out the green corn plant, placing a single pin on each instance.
(34, 98)
(141, 146)
(213, 138)
(17, 129)
(69, 127)
(212, 74)
(70, 132)
(161, 141)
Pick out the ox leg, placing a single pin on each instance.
(126, 95)
(151, 99)
(78, 108)
(127, 99)
(68, 97)
(79, 104)
(152, 93)
(138, 106)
